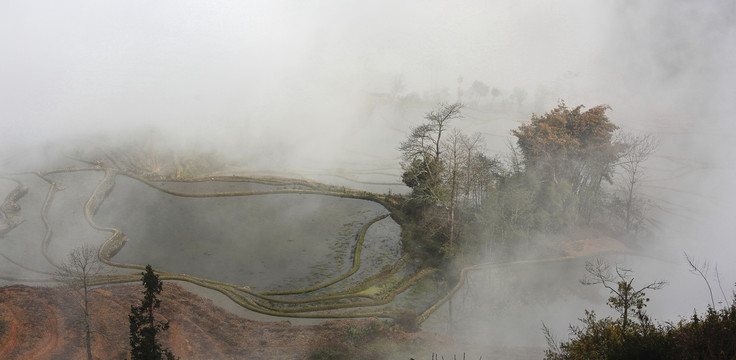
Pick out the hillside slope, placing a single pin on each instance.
(41, 323)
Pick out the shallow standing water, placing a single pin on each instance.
(268, 242)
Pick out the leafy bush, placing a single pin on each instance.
(712, 336)
(709, 336)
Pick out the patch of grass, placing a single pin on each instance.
(371, 291)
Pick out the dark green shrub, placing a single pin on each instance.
(329, 353)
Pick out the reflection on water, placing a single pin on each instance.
(268, 242)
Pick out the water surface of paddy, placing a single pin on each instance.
(268, 242)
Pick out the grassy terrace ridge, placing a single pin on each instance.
(356, 264)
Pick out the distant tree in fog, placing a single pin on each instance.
(519, 96)
(397, 86)
(495, 92)
(77, 272)
(636, 150)
(478, 90)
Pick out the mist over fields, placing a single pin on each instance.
(327, 90)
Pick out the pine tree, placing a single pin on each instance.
(143, 326)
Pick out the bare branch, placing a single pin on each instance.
(551, 340)
(81, 267)
(701, 270)
(720, 286)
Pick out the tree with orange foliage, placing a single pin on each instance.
(572, 147)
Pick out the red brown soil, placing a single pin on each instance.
(42, 323)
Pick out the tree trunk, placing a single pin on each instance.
(629, 204)
(87, 337)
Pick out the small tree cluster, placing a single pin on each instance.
(569, 169)
(449, 176)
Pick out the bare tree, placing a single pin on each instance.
(81, 267)
(636, 150)
(624, 298)
(432, 159)
(453, 157)
(478, 90)
(422, 149)
(472, 147)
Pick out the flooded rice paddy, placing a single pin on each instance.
(267, 242)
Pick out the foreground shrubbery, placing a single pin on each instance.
(633, 335)
(708, 336)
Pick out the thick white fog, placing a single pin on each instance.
(313, 87)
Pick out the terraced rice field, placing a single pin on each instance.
(277, 247)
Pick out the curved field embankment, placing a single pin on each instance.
(323, 306)
(117, 239)
(360, 237)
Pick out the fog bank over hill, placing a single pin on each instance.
(254, 76)
(332, 87)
